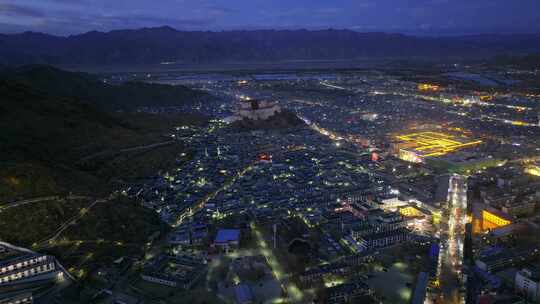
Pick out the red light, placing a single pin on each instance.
(265, 157)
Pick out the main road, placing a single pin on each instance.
(452, 240)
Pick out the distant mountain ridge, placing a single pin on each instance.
(165, 44)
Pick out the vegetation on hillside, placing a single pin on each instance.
(44, 139)
(56, 141)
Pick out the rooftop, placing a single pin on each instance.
(385, 234)
(227, 235)
(243, 293)
(8, 253)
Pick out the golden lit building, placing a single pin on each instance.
(410, 211)
(414, 147)
(428, 87)
(533, 170)
(491, 220)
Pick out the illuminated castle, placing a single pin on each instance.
(255, 109)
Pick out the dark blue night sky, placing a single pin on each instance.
(427, 17)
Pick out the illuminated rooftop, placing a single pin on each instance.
(493, 219)
(533, 169)
(428, 87)
(433, 144)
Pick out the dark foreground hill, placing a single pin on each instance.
(165, 44)
(53, 82)
(45, 136)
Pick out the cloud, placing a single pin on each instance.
(330, 11)
(14, 10)
(218, 10)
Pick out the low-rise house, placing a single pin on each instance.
(506, 258)
(174, 271)
(243, 294)
(347, 293)
(384, 239)
(16, 298)
(227, 239)
(528, 283)
(317, 274)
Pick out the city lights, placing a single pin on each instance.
(415, 147)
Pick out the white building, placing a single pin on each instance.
(18, 267)
(17, 298)
(392, 203)
(254, 110)
(528, 283)
(384, 239)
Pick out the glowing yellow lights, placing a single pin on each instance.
(428, 87)
(333, 282)
(486, 97)
(436, 217)
(518, 123)
(410, 211)
(14, 181)
(533, 170)
(494, 219)
(409, 156)
(416, 146)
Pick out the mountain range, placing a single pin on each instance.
(167, 45)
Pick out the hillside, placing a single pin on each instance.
(165, 44)
(44, 138)
(53, 82)
(528, 62)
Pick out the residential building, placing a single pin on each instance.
(528, 283)
(227, 239)
(18, 267)
(384, 239)
(347, 293)
(16, 298)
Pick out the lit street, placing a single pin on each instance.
(452, 236)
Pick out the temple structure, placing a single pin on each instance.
(255, 109)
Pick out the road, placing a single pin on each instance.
(23, 202)
(294, 294)
(72, 221)
(452, 240)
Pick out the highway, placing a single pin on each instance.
(452, 240)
